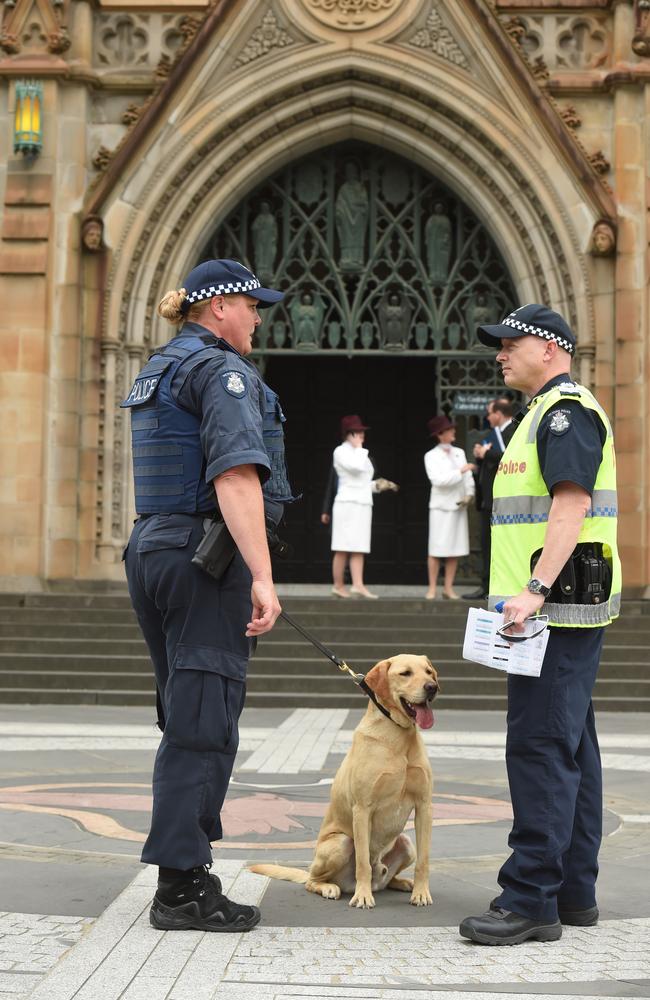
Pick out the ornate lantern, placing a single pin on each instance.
(28, 134)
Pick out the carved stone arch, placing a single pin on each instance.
(498, 177)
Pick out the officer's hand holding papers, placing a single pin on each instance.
(516, 653)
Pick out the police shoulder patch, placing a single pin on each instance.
(234, 383)
(559, 422)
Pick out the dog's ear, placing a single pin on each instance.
(377, 679)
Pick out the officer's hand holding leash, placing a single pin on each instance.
(240, 502)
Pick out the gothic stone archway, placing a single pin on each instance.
(387, 273)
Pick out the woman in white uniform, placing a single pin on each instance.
(352, 510)
(452, 489)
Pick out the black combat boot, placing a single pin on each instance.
(193, 900)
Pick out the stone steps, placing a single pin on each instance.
(86, 648)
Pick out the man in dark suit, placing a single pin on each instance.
(489, 453)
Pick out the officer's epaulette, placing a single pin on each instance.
(568, 389)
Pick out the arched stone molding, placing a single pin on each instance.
(538, 217)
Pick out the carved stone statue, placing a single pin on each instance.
(352, 220)
(394, 322)
(603, 239)
(437, 239)
(92, 233)
(306, 321)
(265, 242)
(481, 311)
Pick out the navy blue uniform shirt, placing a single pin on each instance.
(231, 425)
(570, 445)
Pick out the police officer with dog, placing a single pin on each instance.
(210, 480)
(554, 551)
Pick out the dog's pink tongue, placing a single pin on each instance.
(423, 716)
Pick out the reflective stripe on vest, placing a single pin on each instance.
(521, 509)
(535, 510)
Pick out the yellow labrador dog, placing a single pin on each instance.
(362, 846)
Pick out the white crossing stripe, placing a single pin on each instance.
(306, 736)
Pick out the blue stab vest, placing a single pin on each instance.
(168, 461)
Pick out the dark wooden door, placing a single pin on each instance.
(395, 396)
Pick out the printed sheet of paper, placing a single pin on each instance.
(483, 645)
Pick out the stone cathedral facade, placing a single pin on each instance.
(403, 168)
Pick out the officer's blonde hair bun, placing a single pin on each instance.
(169, 306)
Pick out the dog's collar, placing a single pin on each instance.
(358, 679)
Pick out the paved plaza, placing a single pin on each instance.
(74, 808)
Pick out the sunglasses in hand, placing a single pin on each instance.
(532, 627)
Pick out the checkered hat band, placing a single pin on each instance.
(230, 288)
(537, 331)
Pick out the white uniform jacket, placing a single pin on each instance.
(448, 484)
(355, 473)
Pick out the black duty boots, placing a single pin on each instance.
(193, 900)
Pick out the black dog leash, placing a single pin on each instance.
(358, 679)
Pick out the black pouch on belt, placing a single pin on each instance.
(215, 551)
(585, 578)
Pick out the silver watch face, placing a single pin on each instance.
(535, 586)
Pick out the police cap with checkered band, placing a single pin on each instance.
(531, 320)
(225, 277)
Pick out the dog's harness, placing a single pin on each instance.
(359, 679)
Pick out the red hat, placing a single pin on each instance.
(437, 425)
(352, 423)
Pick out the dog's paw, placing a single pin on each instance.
(401, 884)
(421, 897)
(362, 899)
(331, 891)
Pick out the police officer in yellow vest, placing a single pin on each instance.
(553, 552)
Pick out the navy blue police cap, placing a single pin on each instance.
(225, 277)
(533, 319)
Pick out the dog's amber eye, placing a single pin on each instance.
(406, 673)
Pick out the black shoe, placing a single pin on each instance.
(476, 595)
(196, 902)
(499, 926)
(579, 918)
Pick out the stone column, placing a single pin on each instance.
(631, 137)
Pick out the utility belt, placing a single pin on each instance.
(217, 548)
(586, 577)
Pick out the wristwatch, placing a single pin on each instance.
(536, 586)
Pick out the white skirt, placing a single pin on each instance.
(448, 533)
(351, 525)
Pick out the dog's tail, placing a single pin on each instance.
(279, 871)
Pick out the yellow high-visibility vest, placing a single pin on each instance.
(521, 507)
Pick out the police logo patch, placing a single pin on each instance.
(142, 391)
(234, 383)
(559, 422)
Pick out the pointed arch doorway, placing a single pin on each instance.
(387, 273)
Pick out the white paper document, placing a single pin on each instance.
(483, 645)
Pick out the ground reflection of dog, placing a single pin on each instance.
(361, 846)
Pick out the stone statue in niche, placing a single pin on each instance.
(92, 233)
(603, 239)
(352, 220)
(264, 230)
(481, 310)
(394, 322)
(307, 321)
(437, 239)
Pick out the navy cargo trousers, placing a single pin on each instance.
(194, 627)
(554, 773)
